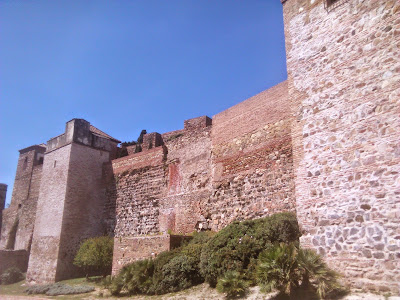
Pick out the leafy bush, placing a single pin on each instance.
(314, 269)
(95, 255)
(181, 272)
(208, 256)
(237, 246)
(233, 284)
(170, 271)
(58, 289)
(284, 267)
(135, 278)
(11, 275)
(278, 269)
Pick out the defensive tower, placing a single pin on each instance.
(71, 203)
(344, 86)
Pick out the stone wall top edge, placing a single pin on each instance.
(139, 154)
(3, 186)
(38, 148)
(78, 143)
(281, 87)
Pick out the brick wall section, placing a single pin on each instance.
(139, 185)
(344, 84)
(252, 159)
(13, 258)
(129, 249)
(161, 189)
(188, 178)
(209, 175)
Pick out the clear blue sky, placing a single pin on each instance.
(129, 65)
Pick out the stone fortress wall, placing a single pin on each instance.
(344, 86)
(323, 144)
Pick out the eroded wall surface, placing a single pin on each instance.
(236, 166)
(252, 159)
(19, 219)
(160, 191)
(344, 86)
(83, 207)
(50, 211)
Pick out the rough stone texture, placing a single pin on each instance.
(13, 258)
(252, 159)
(129, 249)
(234, 167)
(19, 218)
(344, 87)
(46, 239)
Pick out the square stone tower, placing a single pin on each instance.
(344, 85)
(71, 199)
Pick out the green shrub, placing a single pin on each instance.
(314, 269)
(170, 271)
(233, 284)
(11, 275)
(58, 289)
(135, 278)
(179, 269)
(95, 255)
(237, 246)
(284, 267)
(278, 269)
(181, 272)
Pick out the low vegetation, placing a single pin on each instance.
(58, 289)
(95, 256)
(233, 284)
(170, 271)
(11, 275)
(264, 252)
(237, 246)
(287, 268)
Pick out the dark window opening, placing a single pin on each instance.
(25, 165)
(40, 160)
(332, 4)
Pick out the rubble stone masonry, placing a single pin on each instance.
(252, 159)
(344, 86)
